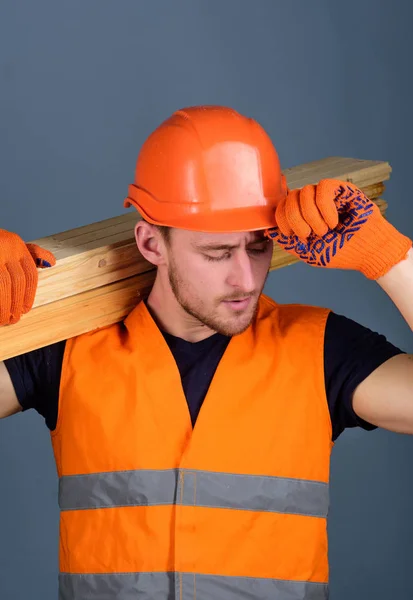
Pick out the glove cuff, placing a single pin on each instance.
(379, 248)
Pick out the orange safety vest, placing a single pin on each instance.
(234, 508)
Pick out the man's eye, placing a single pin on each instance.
(217, 258)
(257, 250)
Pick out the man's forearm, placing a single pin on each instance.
(398, 285)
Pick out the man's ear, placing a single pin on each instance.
(150, 243)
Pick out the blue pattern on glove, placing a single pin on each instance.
(354, 209)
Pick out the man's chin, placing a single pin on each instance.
(235, 324)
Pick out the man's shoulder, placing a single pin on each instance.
(98, 334)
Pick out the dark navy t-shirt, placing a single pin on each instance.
(351, 353)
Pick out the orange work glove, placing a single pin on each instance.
(18, 275)
(334, 224)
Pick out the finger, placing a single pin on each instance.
(5, 296)
(326, 193)
(342, 191)
(294, 216)
(32, 278)
(281, 219)
(43, 258)
(310, 210)
(17, 286)
(271, 233)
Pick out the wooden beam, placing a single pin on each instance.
(100, 274)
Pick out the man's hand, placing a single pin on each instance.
(18, 275)
(333, 224)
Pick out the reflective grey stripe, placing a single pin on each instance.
(118, 488)
(194, 488)
(161, 586)
(254, 492)
(213, 587)
(117, 586)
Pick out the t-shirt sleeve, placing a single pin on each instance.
(36, 380)
(351, 353)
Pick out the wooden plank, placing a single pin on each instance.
(361, 172)
(101, 253)
(92, 309)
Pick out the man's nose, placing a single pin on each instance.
(241, 274)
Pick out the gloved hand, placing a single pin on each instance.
(333, 224)
(18, 275)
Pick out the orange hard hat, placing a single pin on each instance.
(208, 168)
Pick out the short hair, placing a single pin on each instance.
(165, 233)
(164, 230)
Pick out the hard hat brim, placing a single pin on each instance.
(260, 215)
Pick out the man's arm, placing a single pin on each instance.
(385, 398)
(398, 285)
(18, 284)
(334, 225)
(9, 405)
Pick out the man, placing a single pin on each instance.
(193, 440)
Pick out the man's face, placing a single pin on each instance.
(218, 277)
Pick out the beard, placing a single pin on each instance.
(195, 307)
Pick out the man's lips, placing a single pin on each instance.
(239, 304)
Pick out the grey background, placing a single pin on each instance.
(82, 83)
